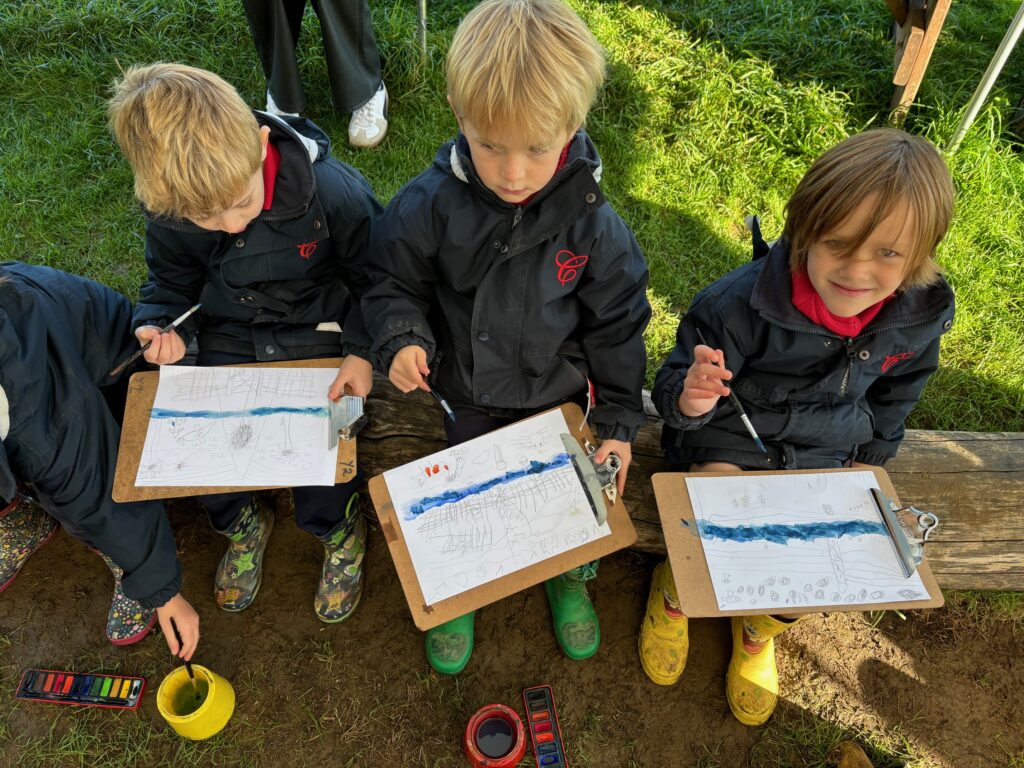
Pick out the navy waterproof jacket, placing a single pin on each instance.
(816, 399)
(515, 305)
(59, 337)
(295, 267)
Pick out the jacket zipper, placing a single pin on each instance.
(518, 215)
(849, 367)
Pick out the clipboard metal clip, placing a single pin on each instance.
(909, 529)
(598, 479)
(346, 419)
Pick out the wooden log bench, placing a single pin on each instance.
(973, 481)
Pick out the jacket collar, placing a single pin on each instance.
(772, 297)
(454, 157)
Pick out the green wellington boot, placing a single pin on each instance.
(572, 613)
(241, 569)
(341, 580)
(450, 645)
(24, 528)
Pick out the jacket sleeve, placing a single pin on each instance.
(705, 314)
(351, 209)
(891, 398)
(174, 284)
(403, 274)
(615, 313)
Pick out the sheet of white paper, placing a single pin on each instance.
(491, 506)
(788, 540)
(239, 426)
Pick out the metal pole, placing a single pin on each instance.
(422, 12)
(988, 80)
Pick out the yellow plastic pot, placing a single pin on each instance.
(174, 699)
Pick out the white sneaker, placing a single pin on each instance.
(273, 109)
(369, 124)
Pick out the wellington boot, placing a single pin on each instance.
(664, 636)
(341, 579)
(127, 621)
(24, 528)
(450, 645)
(573, 615)
(752, 682)
(241, 569)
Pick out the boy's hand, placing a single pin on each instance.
(187, 620)
(356, 374)
(703, 384)
(409, 369)
(625, 454)
(166, 348)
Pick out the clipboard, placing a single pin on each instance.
(690, 568)
(425, 616)
(142, 393)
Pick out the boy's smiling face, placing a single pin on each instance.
(849, 283)
(247, 204)
(510, 165)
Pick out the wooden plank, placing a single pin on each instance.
(973, 481)
(903, 96)
(909, 36)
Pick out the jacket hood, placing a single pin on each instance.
(300, 143)
(772, 297)
(455, 160)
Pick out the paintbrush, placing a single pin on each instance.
(137, 353)
(444, 404)
(736, 402)
(188, 665)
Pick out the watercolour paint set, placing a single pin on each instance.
(83, 689)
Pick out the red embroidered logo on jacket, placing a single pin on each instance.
(891, 360)
(306, 249)
(569, 265)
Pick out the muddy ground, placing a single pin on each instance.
(941, 688)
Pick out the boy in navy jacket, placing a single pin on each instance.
(251, 216)
(509, 283)
(60, 335)
(831, 334)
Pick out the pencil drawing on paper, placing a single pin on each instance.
(491, 506)
(789, 540)
(238, 427)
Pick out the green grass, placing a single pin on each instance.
(712, 111)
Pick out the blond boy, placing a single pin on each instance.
(250, 215)
(508, 282)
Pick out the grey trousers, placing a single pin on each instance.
(350, 48)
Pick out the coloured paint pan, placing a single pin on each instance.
(84, 689)
(495, 738)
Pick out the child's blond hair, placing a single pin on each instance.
(894, 167)
(527, 65)
(192, 142)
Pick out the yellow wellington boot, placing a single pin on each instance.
(752, 683)
(664, 637)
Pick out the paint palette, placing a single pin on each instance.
(83, 689)
(542, 723)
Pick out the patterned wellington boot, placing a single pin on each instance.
(341, 580)
(127, 621)
(572, 613)
(664, 637)
(241, 569)
(752, 683)
(24, 528)
(450, 645)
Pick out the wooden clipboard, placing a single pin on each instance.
(142, 393)
(690, 568)
(622, 535)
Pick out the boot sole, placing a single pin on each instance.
(38, 546)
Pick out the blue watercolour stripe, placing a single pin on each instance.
(450, 497)
(783, 534)
(166, 413)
